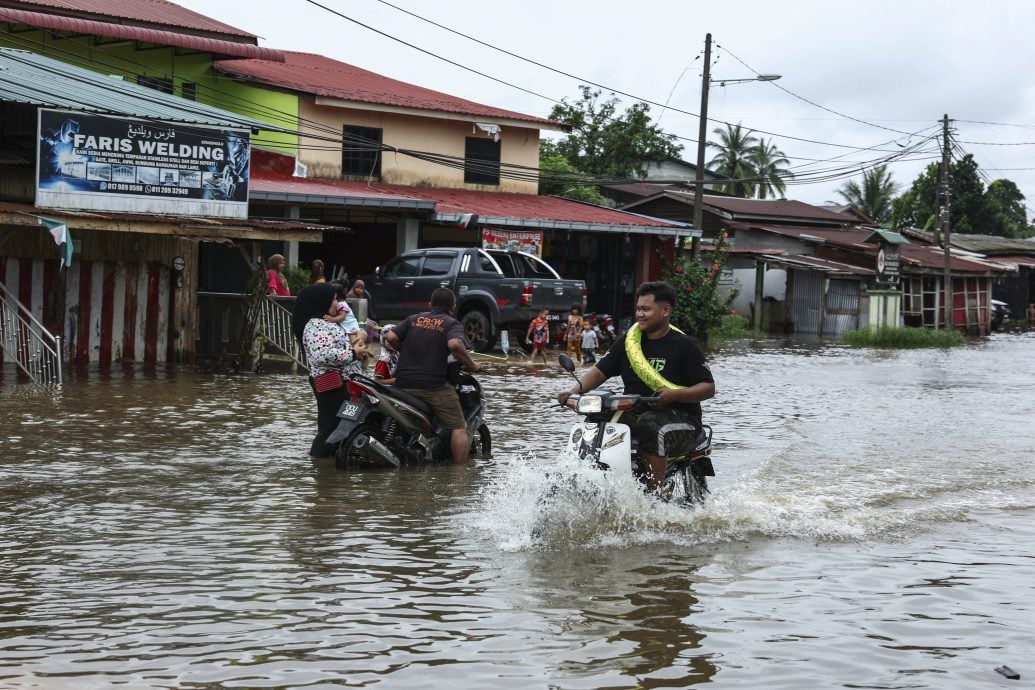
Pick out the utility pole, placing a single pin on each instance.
(702, 139)
(943, 213)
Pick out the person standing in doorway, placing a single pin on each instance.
(276, 281)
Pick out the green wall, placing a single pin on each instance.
(124, 59)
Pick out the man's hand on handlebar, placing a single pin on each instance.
(666, 397)
(563, 396)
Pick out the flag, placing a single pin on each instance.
(63, 239)
(467, 219)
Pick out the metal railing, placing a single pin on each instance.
(275, 324)
(27, 343)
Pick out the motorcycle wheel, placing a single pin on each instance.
(482, 444)
(694, 487)
(346, 457)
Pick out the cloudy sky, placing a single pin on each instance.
(887, 68)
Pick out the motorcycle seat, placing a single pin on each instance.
(410, 400)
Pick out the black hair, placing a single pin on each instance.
(340, 289)
(577, 308)
(662, 291)
(444, 298)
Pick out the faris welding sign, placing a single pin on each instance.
(100, 163)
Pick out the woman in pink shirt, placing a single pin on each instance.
(276, 283)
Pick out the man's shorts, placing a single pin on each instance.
(663, 431)
(444, 402)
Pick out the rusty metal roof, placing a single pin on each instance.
(38, 80)
(155, 12)
(323, 76)
(735, 208)
(503, 209)
(13, 213)
(55, 22)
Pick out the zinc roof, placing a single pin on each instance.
(324, 76)
(37, 80)
(159, 12)
(162, 37)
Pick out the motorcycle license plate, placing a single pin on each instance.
(350, 410)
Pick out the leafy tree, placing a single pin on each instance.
(604, 142)
(734, 159)
(972, 208)
(768, 162)
(701, 306)
(874, 195)
(558, 177)
(1007, 202)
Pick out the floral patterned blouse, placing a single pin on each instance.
(327, 348)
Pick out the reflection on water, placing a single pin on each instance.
(870, 525)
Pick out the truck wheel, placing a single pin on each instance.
(478, 331)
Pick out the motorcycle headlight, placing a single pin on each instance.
(590, 404)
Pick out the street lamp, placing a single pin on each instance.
(702, 136)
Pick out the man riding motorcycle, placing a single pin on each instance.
(425, 342)
(653, 357)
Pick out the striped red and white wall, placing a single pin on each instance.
(104, 311)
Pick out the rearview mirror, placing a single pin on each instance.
(566, 363)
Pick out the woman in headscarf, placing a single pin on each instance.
(276, 281)
(328, 353)
(316, 274)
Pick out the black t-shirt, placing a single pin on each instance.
(675, 356)
(422, 359)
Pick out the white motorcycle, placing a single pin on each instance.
(603, 440)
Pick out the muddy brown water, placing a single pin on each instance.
(871, 526)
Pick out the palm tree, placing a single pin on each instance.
(874, 195)
(767, 161)
(733, 159)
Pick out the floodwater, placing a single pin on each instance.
(871, 527)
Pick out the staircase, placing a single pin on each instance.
(274, 323)
(25, 341)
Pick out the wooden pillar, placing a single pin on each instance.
(759, 293)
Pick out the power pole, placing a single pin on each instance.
(702, 139)
(943, 213)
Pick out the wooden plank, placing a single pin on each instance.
(141, 311)
(151, 313)
(162, 312)
(72, 309)
(107, 312)
(118, 313)
(82, 340)
(129, 312)
(96, 303)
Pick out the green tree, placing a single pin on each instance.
(972, 208)
(1007, 202)
(873, 195)
(734, 159)
(558, 177)
(768, 161)
(701, 305)
(608, 143)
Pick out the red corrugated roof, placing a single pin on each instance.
(322, 76)
(851, 238)
(155, 12)
(487, 205)
(755, 208)
(1019, 260)
(138, 33)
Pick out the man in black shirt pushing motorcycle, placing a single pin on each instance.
(653, 358)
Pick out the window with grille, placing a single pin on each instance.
(481, 161)
(361, 151)
(156, 83)
(189, 90)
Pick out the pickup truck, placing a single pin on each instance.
(496, 290)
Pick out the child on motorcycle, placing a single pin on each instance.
(388, 360)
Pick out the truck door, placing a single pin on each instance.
(390, 288)
(437, 270)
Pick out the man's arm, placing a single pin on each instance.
(459, 350)
(592, 378)
(393, 340)
(695, 393)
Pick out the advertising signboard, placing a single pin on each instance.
(105, 163)
(529, 242)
